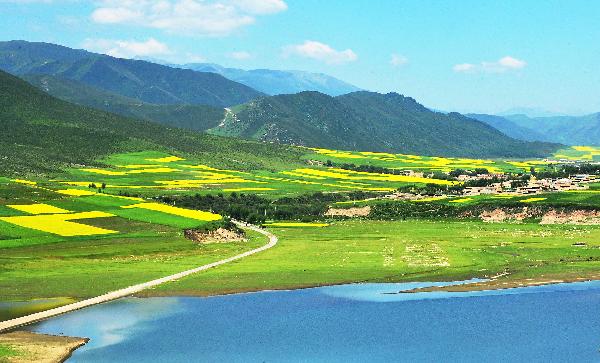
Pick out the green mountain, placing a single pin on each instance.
(509, 127)
(371, 122)
(193, 117)
(569, 130)
(145, 81)
(42, 134)
(275, 82)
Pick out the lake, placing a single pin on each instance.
(346, 323)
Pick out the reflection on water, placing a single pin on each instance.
(14, 309)
(347, 323)
(111, 325)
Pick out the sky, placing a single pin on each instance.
(466, 56)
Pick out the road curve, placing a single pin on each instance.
(32, 318)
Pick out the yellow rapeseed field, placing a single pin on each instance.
(103, 171)
(23, 181)
(60, 224)
(182, 212)
(531, 200)
(167, 159)
(40, 208)
(75, 192)
(461, 200)
(295, 224)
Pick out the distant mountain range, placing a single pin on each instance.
(569, 130)
(371, 121)
(274, 82)
(192, 117)
(361, 120)
(141, 80)
(42, 134)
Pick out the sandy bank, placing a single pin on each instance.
(40, 348)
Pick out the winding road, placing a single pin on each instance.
(32, 318)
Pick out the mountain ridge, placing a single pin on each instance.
(369, 121)
(274, 82)
(148, 82)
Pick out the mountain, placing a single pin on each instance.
(193, 117)
(509, 127)
(529, 112)
(275, 82)
(42, 134)
(371, 121)
(570, 130)
(145, 81)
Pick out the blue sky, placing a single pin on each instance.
(467, 55)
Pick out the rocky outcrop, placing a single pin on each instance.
(348, 212)
(219, 235)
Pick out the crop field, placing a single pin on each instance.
(433, 163)
(57, 244)
(420, 163)
(154, 174)
(91, 230)
(384, 251)
(585, 153)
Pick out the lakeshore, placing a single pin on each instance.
(359, 322)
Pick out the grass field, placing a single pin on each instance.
(379, 251)
(7, 352)
(58, 245)
(61, 240)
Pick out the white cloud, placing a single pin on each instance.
(127, 48)
(241, 55)
(190, 17)
(500, 66)
(510, 62)
(321, 52)
(464, 67)
(398, 60)
(261, 6)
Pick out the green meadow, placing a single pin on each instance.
(131, 243)
(383, 251)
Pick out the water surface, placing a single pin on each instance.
(347, 323)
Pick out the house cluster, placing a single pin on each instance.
(535, 186)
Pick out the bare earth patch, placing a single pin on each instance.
(584, 217)
(220, 235)
(348, 212)
(41, 348)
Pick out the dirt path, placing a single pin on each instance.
(29, 319)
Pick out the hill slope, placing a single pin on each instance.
(509, 128)
(275, 82)
(570, 130)
(44, 134)
(372, 122)
(193, 117)
(148, 82)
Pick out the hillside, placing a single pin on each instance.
(43, 134)
(509, 127)
(570, 130)
(274, 82)
(145, 81)
(372, 122)
(193, 117)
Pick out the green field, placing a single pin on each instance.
(130, 238)
(379, 251)
(7, 352)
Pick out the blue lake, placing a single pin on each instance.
(347, 323)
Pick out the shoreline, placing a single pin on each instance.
(503, 284)
(43, 348)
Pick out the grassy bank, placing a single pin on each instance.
(376, 251)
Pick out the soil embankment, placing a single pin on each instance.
(40, 348)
